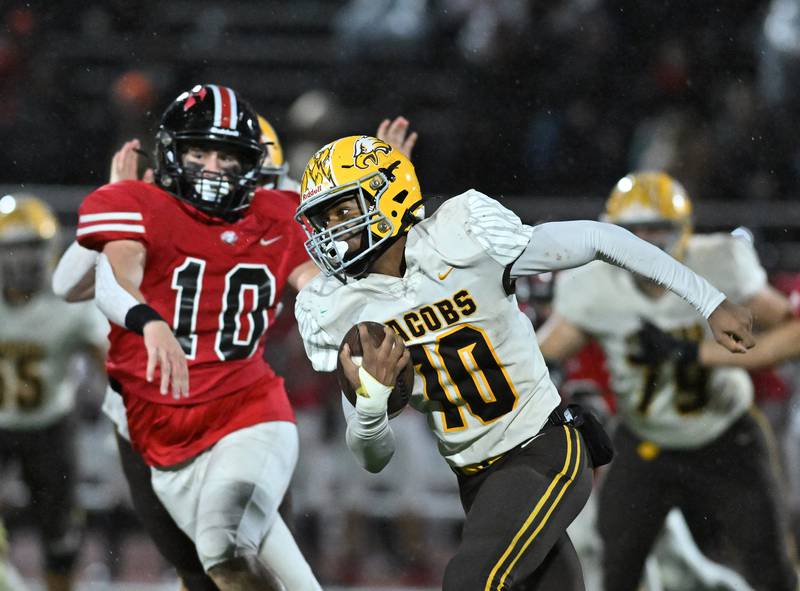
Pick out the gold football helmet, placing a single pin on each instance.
(28, 230)
(274, 168)
(384, 183)
(652, 201)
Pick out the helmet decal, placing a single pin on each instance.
(225, 107)
(197, 91)
(318, 173)
(366, 149)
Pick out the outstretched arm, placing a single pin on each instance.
(559, 339)
(73, 278)
(562, 245)
(774, 347)
(119, 273)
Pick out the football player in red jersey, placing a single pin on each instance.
(73, 280)
(206, 250)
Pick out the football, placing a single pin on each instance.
(401, 393)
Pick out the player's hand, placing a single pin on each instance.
(396, 133)
(125, 163)
(165, 353)
(732, 326)
(653, 345)
(384, 363)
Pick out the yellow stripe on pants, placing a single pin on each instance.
(536, 510)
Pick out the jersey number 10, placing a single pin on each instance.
(229, 343)
(462, 370)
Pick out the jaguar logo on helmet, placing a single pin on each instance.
(366, 150)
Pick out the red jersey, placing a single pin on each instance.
(589, 365)
(218, 283)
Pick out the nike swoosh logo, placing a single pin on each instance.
(263, 242)
(531, 440)
(443, 276)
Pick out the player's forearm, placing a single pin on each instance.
(370, 438)
(116, 295)
(772, 348)
(302, 274)
(73, 278)
(563, 245)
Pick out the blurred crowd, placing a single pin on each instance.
(556, 98)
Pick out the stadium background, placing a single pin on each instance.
(541, 104)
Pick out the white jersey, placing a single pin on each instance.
(480, 377)
(675, 406)
(37, 342)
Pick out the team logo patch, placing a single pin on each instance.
(366, 150)
(193, 99)
(229, 237)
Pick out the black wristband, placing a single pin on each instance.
(140, 315)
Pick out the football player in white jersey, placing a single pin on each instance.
(686, 438)
(39, 335)
(443, 286)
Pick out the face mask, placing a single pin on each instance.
(212, 190)
(23, 268)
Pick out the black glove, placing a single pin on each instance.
(656, 346)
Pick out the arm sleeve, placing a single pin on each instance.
(562, 245)
(112, 212)
(73, 266)
(369, 437)
(113, 300)
(94, 326)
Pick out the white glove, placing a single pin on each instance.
(372, 396)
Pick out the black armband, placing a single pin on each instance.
(140, 315)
